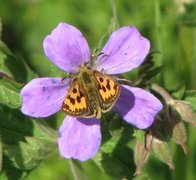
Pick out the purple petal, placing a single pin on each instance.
(137, 106)
(79, 138)
(125, 50)
(66, 47)
(43, 97)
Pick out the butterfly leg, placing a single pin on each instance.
(98, 113)
(69, 75)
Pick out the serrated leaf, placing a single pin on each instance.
(115, 125)
(26, 142)
(109, 146)
(151, 73)
(117, 135)
(10, 172)
(9, 92)
(9, 96)
(147, 64)
(27, 155)
(114, 167)
(77, 170)
(108, 158)
(147, 70)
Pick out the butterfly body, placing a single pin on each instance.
(91, 93)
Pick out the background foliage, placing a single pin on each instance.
(171, 28)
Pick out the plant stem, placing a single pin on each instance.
(158, 35)
(166, 96)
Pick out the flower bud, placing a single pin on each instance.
(185, 110)
(163, 152)
(142, 151)
(179, 136)
(140, 156)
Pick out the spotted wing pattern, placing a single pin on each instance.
(108, 90)
(76, 101)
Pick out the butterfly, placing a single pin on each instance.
(91, 93)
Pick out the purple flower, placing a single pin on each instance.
(80, 138)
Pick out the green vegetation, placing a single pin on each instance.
(171, 28)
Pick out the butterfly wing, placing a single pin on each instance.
(76, 101)
(108, 90)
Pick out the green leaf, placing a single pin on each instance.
(109, 146)
(77, 170)
(10, 65)
(147, 64)
(116, 141)
(9, 93)
(27, 155)
(10, 172)
(151, 73)
(26, 141)
(147, 70)
(113, 166)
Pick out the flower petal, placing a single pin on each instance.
(125, 50)
(43, 97)
(137, 106)
(79, 138)
(66, 47)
